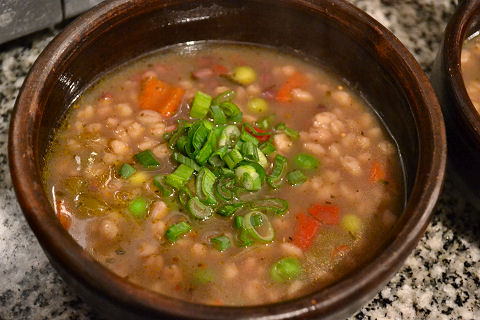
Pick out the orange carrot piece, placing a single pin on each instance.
(296, 80)
(170, 104)
(377, 172)
(152, 93)
(306, 231)
(326, 214)
(339, 251)
(219, 69)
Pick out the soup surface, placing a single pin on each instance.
(225, 174)
(470, 60)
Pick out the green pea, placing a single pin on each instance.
(244, 75)
(258, 105)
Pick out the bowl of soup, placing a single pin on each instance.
(227, 159)
(455, 79)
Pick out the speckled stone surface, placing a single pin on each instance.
(440, 279)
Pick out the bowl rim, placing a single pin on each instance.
(62, 249)
(455, 36)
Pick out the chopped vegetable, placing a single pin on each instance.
(305, 161)
(278, 173)
(160, 96)
(257, 105)
(284, 94)
(186, 161)
(198, 210)
(326, 214)
(274, 205)
(233, 158)
(225, 96)
(260, 134)
(285, 269)
(200, 105)
(204, 186)
(147, 159)
(229, 136)
(159, 182)
(266, 226)
(244, 75)
(138, 207)
(218, 115)
(282, 127)
(307, 228)
(179, 177)
(267, 148)
(203, 276)
(377, 173)
(351, 223)
(229, 209)
(221, 243)
(239, 221)
(175, 231)
(296, 177)
(126, 170)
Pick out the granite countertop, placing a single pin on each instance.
(440, 279)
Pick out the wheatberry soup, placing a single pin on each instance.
(470, 60)
(225, 174)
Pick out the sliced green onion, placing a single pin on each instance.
(229, 136)
(221, 243)
(186, 161)
(262, 159)
(174, 232)
(247, 137)
(200, 105)
(239, 221)
(267, 148)
(224, 187)
(248, 177)
(179, 177)
(147, 159)
(203, 276)
(285, 269)
(233, 158)
(184, 195)
(204, 186)
(278, 173)
(257, 105)
(179, 132)
(126, 170)
(305, 161)
(274, 205)
(264, 123)
(198, 135)
(229, 209)
(244, 75)
(268, 232)
(224, 97)
(207, 149)
(218, 115)
(216, 157)
(138, 207)
(256, 220)
(159, 182)
(244, 238)
(232, 111)
(198, 210)
(249, 151)
(296, 177)
(281, 127)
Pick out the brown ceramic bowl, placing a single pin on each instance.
(334, 32)
(462, 120)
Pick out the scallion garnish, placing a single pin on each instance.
(305, 161)
(233, 158)
(229, 136)
(204, 186)
(126, 170)
(186, 161)
(285, 269)
(229, 209)
(147, 159)
(199, 210)
(279, 170)
(174, 232)
(266, 233)
(138, 207)
(200, 105)
(296, 177)
(159, 182)
(224, 97)
(221, 243)
(267, 148)
(218, 115)
(281, 127)
(180, 176)
(274, 205)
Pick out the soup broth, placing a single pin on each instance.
(225, 174)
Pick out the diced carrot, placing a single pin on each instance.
(152, 93)
(339, 251)
(296, 80)
(377, 172)
(173, 98)
(326, 214)
(63, 216)
(307, 228)
(159, 96)
(219, 69)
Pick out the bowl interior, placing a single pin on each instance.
(334, 33)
